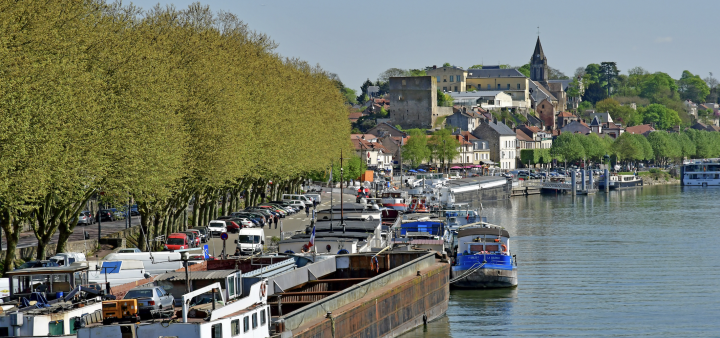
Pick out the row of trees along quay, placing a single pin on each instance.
(659, 146)
(166, 107)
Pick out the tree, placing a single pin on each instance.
(692, 87)
(663, 145)
(661, 116)
(443, 99)
(476, 66)
(363, 97)
(392, 72)
(712, 83)
(609, 72)
(524, 69)
(447, 64)
(657, 86)
(416, 149)
(686, 145)
(568, 147)
(444, 146)
(647, 153)
(350, 95)
(594, 147)
(556, 74)
(416, 72)
(594, 93)
(628, 148)
(624, 114)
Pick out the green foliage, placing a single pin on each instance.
(350, 95)
(624, 114)
(416, 149)
(628, 147)
(444, 146)
(535, 156)
(664, 146)
(593, 146)
(475, 67)
(352, 169)
(525, 69)
(444, 100)
(686, 145)
(447, 64)
(663, 117)
(692, 87)
(568, 147)
(584, 105)
(416, 72)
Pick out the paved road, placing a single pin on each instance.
(27, 239)
(290, 223)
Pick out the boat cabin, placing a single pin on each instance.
(483, 240)
(52, 281)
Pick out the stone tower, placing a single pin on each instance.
(538, 66)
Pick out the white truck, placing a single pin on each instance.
(67, 258)
(250, 241)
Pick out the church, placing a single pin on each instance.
(547, 97)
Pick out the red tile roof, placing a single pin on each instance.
(566, 114)
(641, 129)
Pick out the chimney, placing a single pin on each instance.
(434, 67)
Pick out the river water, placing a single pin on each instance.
(634, 263)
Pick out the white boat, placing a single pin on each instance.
(621, 181)
(350, 211)
(705, 172)
(154, 263)
(116, 272)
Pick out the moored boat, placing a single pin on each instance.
(483, 259)
(621, 182)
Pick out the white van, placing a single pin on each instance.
(250, 241)
(301, 198)
(297, 204)
(217, 227)
(154, 263)
(315, 197)
(67, 258)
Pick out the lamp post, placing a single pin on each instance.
(443, 150)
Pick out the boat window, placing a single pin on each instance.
(255, 321)
(246, 324)
(231, 286)
(41, 283)
(235, 327)
(216, 331)
(262, 317)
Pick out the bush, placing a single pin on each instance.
(654, 170)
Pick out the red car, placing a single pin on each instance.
(232, 226)
(177, 242)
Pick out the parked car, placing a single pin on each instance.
(105, 215)
(118, 214)
(177, 241)
(37, 264)
(134, 210)
(246, 223)
(232, 226)
(86, 218)
(129, 250)
(217, 227)
(67, 258)
(204, 234)
(193, 238)
(151, 298)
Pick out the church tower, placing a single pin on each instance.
(538, 65)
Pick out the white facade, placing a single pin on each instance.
(508, 152)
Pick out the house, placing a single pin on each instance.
(383, 129)
(502, 142)
(690, 107)
(596, 126)
(544, 138)
(602, 117)
(510, 81)
(449, 79)
(643, 129)
(576, 127)
(570, 102)
(464, 119)
(353, 117)
(524, 141)
(547, 90)
(564, 118)
(393, 145)
(465, 151)
(612, 129)
(481, 148)
(413, 102)
(372, 151)
(487, 100)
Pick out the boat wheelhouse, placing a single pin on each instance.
(396, 200)
(483, 258)
(701, 173)
(350, 211)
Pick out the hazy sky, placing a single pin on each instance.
(360, 39)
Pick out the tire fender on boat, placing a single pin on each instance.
(504, 247)
(263, 289)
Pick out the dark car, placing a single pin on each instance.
(36, 264)
(134, 210)
(105, 215)
(204, 232)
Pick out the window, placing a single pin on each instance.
(498, 86)
(508, 87)
(542, 106)
(231, 285)
(452, 78)
(518, 86)
(444, 89)
(456, 88)
(489, 87)
(159, 293)
(262, 317)
(438, 78)
(235, 327)
(255, 322)
(216, 331)
(246, 324)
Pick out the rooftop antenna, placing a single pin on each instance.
(538, 31)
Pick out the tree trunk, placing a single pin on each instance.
(223, 210)
(196, 212)
(65, 232)
(144, 221)
(11, 226)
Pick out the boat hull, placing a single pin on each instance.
(396, 206)
(486, 279)
(498, 271)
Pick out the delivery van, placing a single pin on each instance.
(250, 241)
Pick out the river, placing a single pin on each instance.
(637, 263)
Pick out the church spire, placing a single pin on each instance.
(538, 53)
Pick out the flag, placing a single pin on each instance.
(312, 238)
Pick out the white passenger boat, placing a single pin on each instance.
(621, 182)
(350, 211)
(705, 172)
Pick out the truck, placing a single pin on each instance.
(250, 241)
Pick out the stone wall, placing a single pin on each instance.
(413, 101)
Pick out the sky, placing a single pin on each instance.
(360, 39)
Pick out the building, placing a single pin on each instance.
(596, 126)
(539, 135)
(510, 81)
(413, 102)
(602, 117)
(463, 119)
(372, 151)
(487, 100)
(524, 141)
(383, 129)
(643, 129)
(564, 118)
(501, 141)
(576, 127)
(540, 75)
(449, 79)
